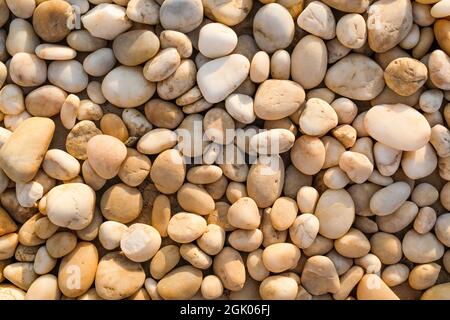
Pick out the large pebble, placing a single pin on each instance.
(229, 267)
(106, 21)
(388, 23)
(309, 61)
(318, 19)
(229, 12)
(404, 128)
(405, 76)
(277, 99)
(186, 227)
(273, 28)
(70, 205)
(216, 40)
(356, 77)
(77, 270)
(317, 118)
(105, 155)
(168, 171)
(319, 276)
(336, 212)
(126, 87)
(220, 77)
(180, 284)
(121, 203)
(422, 248)
(27, 70)
(181, 15)
(112, 270)
(135, 47)
(21, 155)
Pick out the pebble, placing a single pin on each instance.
(318, 19)
(388, 23)
(220, 77)
(273, 28)
(398, 118)
(335, 205)
(216, 40)
(126, 87)
(111, 270)
(346, 78)
(28, 142)
(309, 62)
(106, 21)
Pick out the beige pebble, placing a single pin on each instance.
(140, 242)
(68, 75)
(364, 86)
(319, 276)
(308, 154)
(111, 270)
(424, 276)
(422, 248)
(335, 205)
(278, 288)
(44, 288)
(21, 37)
(226, 73)
(126, 87)
(110, 234)
(121, 203)
(11, 100)
(177, 40)
(372, 287)
(177, 227)
(386, 247)
(304, 230)
(216, 40)
(229, 267)
(211, 287)
(55, 52)
(273, 27)
(143, 11)
(390, 198)
(438, 66)
(286, 94)
(21, 274)
(8, 244)
(27, 70)
(106, 21)
(280, 65)
(105, 155)
(84, 259)
(437, 292)
(317, 18)
(164, 261)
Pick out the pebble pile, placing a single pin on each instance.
(224, 149)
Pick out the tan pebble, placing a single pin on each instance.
(319, 276)
(121, 203)
(229, 267)
(111, 270)
(164, 261)
(372, 287)
(180, 283)
(140, 242)
(105, 155)
(386, 247)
